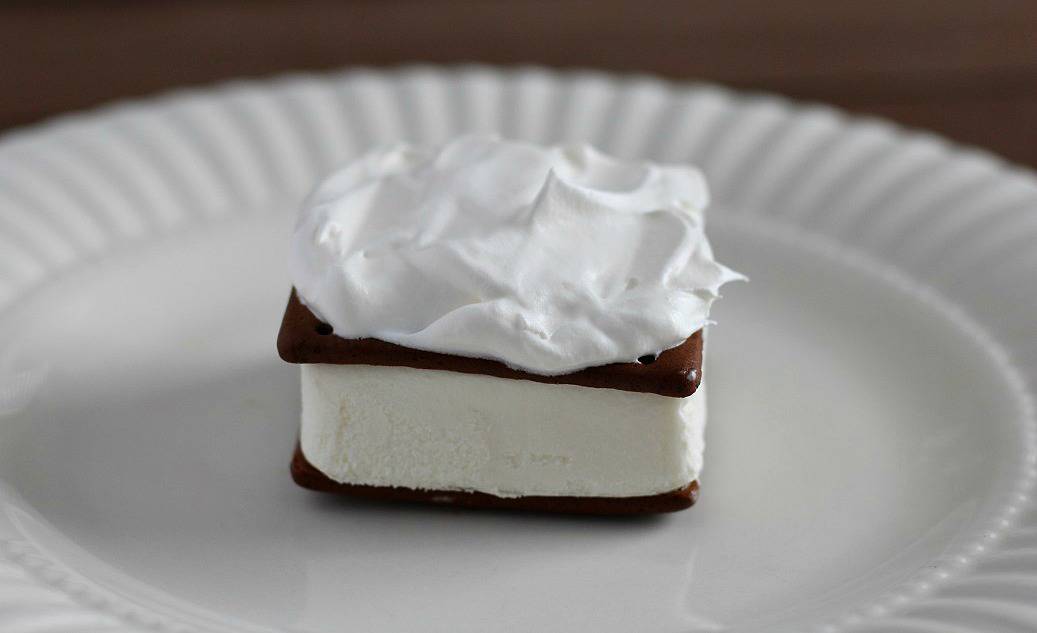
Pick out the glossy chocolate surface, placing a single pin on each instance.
(303, 338)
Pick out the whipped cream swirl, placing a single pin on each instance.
(549, 259)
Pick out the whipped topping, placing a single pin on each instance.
(549, 259)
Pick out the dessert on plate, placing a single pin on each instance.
(492, 323)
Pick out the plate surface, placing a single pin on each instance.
(871, 448)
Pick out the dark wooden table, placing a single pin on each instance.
(965, 69)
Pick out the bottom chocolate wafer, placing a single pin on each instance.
(306, 475)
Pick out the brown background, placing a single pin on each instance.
(965, 69)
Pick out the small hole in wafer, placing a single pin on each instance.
(324, 329)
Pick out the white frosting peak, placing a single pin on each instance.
(548, 259)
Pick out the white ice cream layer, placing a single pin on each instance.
(442, 430)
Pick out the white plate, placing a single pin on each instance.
(871, 444)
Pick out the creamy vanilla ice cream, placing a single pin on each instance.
(441, 430)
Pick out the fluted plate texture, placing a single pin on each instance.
(871, 448)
